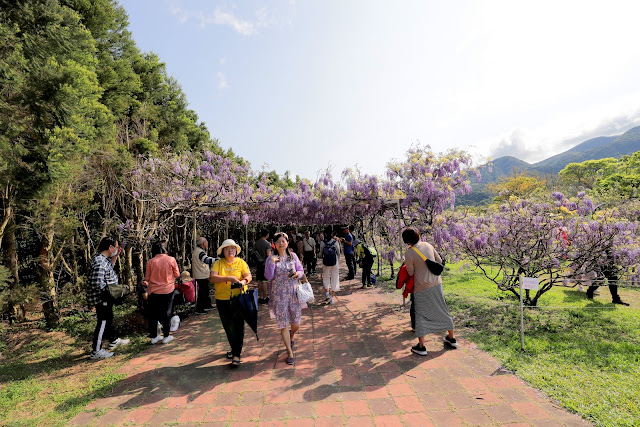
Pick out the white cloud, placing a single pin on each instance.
(227, 18)
(222, 81)
(223, 60)
(534, 145)
(223, 18)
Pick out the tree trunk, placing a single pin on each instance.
(7, 218)
(139, 264)
(74, 263)
(128, 273)
(16, 309)
(183, 245)
(46, 280)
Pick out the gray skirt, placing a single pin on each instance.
(432, 314)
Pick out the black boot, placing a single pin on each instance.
(620, 302)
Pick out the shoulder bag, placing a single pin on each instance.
(433, 266)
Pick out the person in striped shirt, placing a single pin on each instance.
(98, 296)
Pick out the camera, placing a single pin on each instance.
(236, 285)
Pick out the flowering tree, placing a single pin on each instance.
(427, 183)
(552, 241)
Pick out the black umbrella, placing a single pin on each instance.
(249, 307)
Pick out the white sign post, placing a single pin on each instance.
(525, 283)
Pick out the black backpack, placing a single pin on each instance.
(329, 257)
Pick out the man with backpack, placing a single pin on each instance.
(367, 255)
(330, 251)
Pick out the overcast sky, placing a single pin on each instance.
(305, 85)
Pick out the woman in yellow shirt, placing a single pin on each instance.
(229, 275)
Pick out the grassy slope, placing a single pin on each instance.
(46, 378)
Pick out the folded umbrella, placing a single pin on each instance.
(248, 301)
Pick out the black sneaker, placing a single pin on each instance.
(451, 341)
(200, 311)
(208, 309)
(619, 301)
(421, 351)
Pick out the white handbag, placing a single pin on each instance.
(305, 293)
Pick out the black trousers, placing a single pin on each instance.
(612, 288)
(203, 298)
(309, 262)
(233, 323)
(350, 259)
(367, 263)
(160, 307)
(104, 328)
(611, 276)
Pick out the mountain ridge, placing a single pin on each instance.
(592, 149)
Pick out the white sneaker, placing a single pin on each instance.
(156, 340)
(117, 343)
(596, 292)
(167, 340)
(331, 301)
(327, 295)
(580, 288)
(100, 354)
(175, 323)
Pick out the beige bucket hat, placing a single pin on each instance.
(228, 242)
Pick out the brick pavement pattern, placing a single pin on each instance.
(353, 368)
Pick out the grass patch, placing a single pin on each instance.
(46, 378)
(584, 354)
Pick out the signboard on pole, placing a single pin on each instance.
(530, 283)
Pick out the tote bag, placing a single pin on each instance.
(305, 293)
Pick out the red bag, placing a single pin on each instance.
(188, 289)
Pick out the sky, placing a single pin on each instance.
(311, 85)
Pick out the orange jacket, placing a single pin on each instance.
(404, 280)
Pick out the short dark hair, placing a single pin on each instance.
(328, 232)
(105, 243)
(410, 235)
(264, 232)
(158, 248)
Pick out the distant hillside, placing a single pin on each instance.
(506, 165)
(580, 153)
(592, 149)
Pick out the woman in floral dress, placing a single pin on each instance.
(283, 269)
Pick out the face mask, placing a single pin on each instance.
(112, 254)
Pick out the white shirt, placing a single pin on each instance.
(309, 244)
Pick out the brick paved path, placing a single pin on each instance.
(353, 367)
